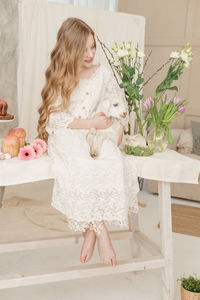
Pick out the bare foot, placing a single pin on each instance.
(106, 251)
(88, 245)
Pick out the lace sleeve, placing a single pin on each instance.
(59, 120)
(114, 94)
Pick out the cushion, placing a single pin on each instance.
(185, 142)
(176, 132)
(194, 156)
(196, 137)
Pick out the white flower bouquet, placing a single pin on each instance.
(127, 66)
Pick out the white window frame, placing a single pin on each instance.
(111, 5)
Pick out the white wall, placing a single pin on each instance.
(8, 59)
(169, 25)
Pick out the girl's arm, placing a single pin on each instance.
(99, 121)
(81, 124)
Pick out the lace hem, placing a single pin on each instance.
(85, 216)
(97, 225)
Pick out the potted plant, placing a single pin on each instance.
(190, 288)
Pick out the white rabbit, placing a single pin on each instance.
(95, 137)
(136, 140)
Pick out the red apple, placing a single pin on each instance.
(10, 144)
(11, 131)
(20, 133)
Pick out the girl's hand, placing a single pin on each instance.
(100, 121)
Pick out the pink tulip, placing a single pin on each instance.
(177, 100)
(145, 105)
(167, 100)
(149, 102)
(181, 109)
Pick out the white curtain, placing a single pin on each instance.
(33, 59)
(39, 23)
(100, 4)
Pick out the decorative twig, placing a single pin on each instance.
(136, 54)
(158, 70)
(147, 59)
(103, 46)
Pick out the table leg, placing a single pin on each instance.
(134, 227)
(166, 239)
(2, 190)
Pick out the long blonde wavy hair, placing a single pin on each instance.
(66, 60)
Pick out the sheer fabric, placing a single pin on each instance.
(100, 4)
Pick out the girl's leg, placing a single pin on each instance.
(106, 251)
(88, 245)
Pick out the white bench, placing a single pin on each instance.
(164, 167)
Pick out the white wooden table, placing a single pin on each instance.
(164, 167)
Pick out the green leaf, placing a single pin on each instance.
(125, 78)
(164, 87)
(128, 71)
(129, 100)
(130, 90)
(132, 71)
(170, 138)
(136, 92)
(124, 84)
(135, 109)
(173, 88)
(149, 121)
(139, 80)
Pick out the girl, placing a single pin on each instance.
(90, 192)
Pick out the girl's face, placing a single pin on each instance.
(90, 51)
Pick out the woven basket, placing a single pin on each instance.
(187, 295)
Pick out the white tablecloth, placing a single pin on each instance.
(16, 171)
(168, 166)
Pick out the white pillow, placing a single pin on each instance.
(185, 142)
(176, 132)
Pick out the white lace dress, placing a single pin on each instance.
(87, 189)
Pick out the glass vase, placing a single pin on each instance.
(159, 142)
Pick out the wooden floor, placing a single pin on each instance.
(186, 219)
